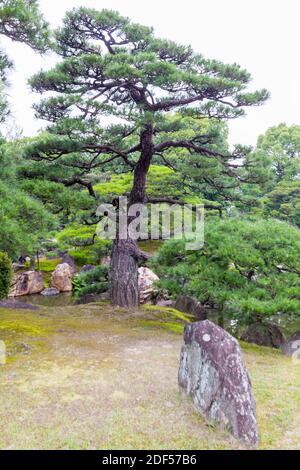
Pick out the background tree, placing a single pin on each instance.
(281, 146)
(283, 201)
(21, 21)
(23, 220)
(279, 149)
(113, 68)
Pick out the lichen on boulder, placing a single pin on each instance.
(213, 373)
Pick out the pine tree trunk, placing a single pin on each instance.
(124, 275)
(125, 257)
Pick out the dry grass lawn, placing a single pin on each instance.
(94, 377)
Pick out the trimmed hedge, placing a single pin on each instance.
(5, 275)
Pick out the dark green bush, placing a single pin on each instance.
(5, 275)
(94, 281)
(248, 270)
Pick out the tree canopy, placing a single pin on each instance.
(281, 145)
(112, 67)
(21, 21)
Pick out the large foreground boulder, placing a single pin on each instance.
(212, 372)
(146, 281)
(62, 278)
(187, 304)
(291, 346)
(263, 335)
(26, 283)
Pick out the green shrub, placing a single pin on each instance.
(5, 275)
(88, 254)
(94, 281)
(248, 269)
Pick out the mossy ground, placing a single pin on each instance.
(101, 378)
(46, 265)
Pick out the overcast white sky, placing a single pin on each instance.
(260, 35)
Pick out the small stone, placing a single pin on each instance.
(67, 259)
(51, 291)
(105, 261)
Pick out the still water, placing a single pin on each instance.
(61, 300)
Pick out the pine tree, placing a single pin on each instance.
(115, 88)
